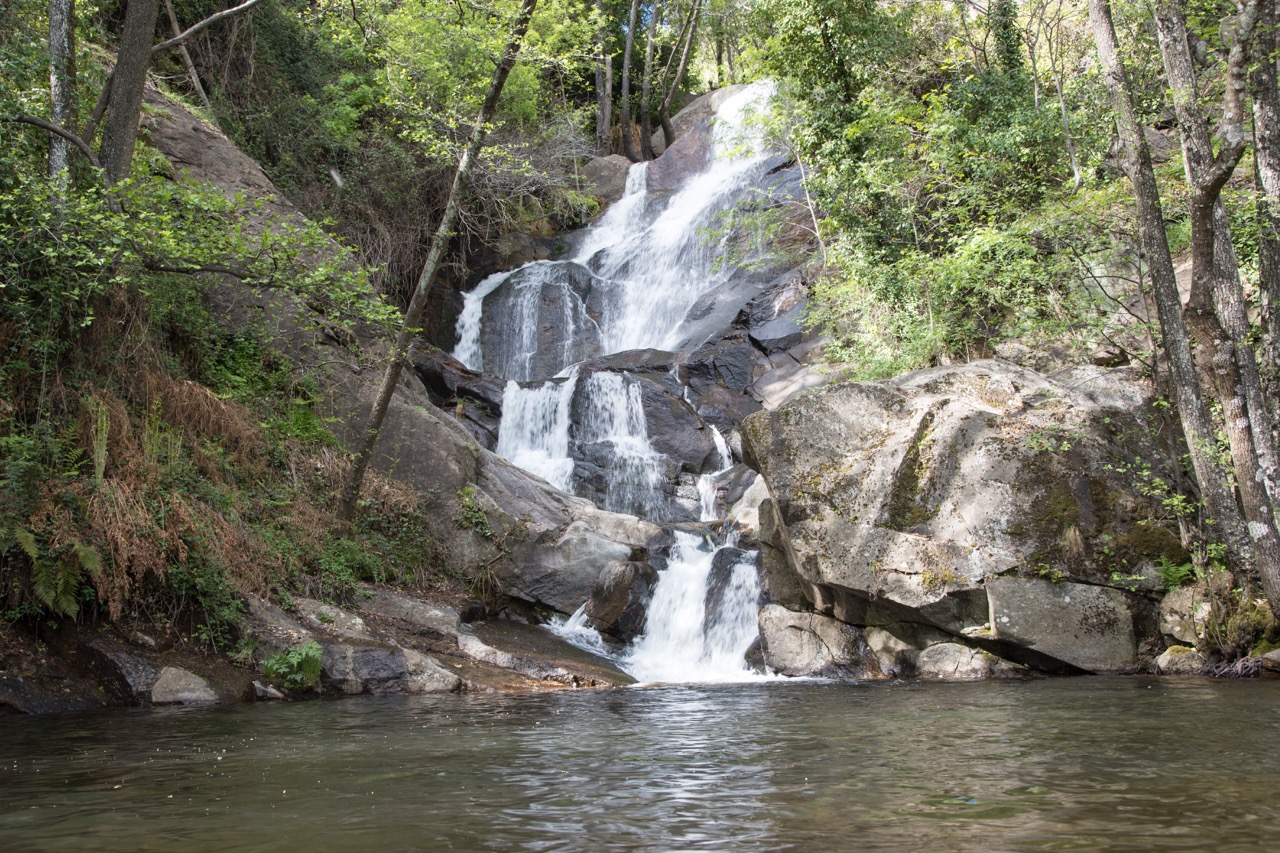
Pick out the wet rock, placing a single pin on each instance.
(725, 579)
(956, 662)
(809, 644)
(551, 310)
(619, 602)
(540, 655)
(176, 686)
(564, 573)
(1090, 627)
(1180, 660)
(474, 398)
(138, 672)
(729, 363)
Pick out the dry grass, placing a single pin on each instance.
(196, 411)
(379, 492)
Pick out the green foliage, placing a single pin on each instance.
(297, 668)
(938, 155)
(357, 111)
(471, 516)
(58, 576)
(1174, 575)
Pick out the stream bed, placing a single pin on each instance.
(1064, 764)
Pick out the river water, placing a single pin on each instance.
(1066, 764)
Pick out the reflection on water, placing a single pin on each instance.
(1081, 764)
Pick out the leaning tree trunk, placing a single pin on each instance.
(1196, 425)
(187, 61)
(628, 144)
(62, 88)
(439, 243)
(128, 79)
(1215, 313)
(646, 87)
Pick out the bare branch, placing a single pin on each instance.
(58, 130)
(207, 22)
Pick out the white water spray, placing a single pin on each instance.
(698, 629)
(534, 433)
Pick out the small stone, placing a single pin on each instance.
(140, 639)
(1180, 660)
(266, 693)
(177, 686)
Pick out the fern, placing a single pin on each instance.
(56, 583)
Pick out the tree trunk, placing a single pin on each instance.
(604, 88)
(628, 144)
(128, 79)
(1266, 152)
(685, 47)
(439, 243)
(1215, 313)
(1076, 176)
(186, 56)
(62, 88)
(646, 86)
(1196, 426)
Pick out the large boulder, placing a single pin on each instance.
(606, 177)
(619, 602)
(810, 644)
(914, 499)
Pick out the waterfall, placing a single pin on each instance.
(707, 482)
(702, 617)
(615, 417)
(638, 276)
(644, 275)
(534, 433)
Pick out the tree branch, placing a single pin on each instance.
(207, 22)
(58, 130)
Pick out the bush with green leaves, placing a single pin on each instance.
(296, 668)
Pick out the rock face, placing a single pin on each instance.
(957, 662)
(987, 501)
(810, 644)
(606, 177)
(550, 310)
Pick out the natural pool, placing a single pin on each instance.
(1074, 764)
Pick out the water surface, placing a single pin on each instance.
(1079, 764)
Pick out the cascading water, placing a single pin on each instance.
(635, 281)
(637, 273)
(702, 617)
(535, 429)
